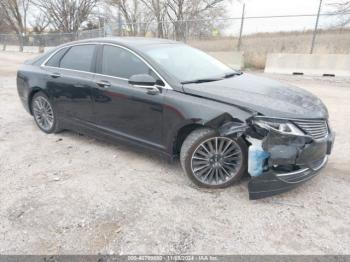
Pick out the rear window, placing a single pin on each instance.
(78, 58)
(56, 58)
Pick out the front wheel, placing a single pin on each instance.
(211, 160)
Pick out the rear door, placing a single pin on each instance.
(123, 109)
(70, 74)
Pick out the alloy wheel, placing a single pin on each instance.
(43, 113)
(216, 160)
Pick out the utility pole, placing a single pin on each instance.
(316, 27)
(78, 25)
(241, 30)
(186, 31)
(99, 21)
(119, 20)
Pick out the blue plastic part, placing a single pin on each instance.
(256, 161)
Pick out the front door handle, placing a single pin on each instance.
(103, 83)
(152, 90)
(55, 75)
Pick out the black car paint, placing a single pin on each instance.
(120, 110)
(157, 121)
(265, 96)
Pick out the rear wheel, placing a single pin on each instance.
(211, 160)
(44, 114)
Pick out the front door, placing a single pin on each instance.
(124, 110)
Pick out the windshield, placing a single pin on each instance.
(187, 63)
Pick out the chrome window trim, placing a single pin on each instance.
(59, 49)
(166, 85)
(61, 68)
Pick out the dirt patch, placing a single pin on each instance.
(10, 61)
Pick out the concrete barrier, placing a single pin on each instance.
(12, 48)
(232, 59)
(26, 49)
(31, 49)
(307, 64)
(47, 48)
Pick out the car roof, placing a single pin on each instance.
(137, 44)
(132, 42)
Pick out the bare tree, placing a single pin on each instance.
(130, 12)
(158, 9)
(4, 27)
(342, 9)
(181, 10)
(40, 23)
(208, 23)
(15, 15)
(135, 16)
(67, 15)
(169, 15)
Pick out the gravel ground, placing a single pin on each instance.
(69, 194)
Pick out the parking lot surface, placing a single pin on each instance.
(72, 194)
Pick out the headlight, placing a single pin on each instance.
(280, 125)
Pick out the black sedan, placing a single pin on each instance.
(177, 100)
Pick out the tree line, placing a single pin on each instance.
(131, 17)
(134, 17)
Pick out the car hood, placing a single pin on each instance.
(268, 97)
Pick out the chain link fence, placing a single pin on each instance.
(48, 39)
(255, 36)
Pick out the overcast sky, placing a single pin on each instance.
(279, 7)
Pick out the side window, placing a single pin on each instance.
(56, 58)
(121, 63)
(78, 58)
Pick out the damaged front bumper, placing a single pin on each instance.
(291, 161)
(272, 183)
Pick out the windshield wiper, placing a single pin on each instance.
(203, 80)
(233, 73)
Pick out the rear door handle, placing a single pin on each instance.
(55, 75)
(103, 83)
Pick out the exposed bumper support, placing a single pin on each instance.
(271, 183)
(303, 174)
(278, 161)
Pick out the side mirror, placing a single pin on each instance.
(142, 80)
(146, 82)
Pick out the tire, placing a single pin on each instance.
(191, 148)
(42, 99)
